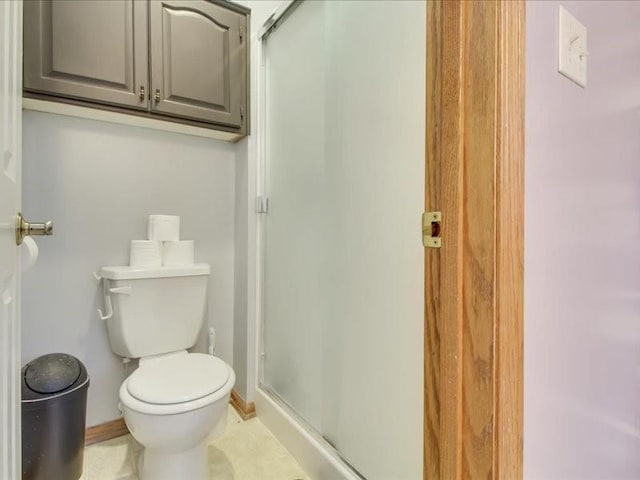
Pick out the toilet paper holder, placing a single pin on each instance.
(24, 228)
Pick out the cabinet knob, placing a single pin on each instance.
(157, 96)
(141, 92)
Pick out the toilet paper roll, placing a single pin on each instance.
(29, 253)
(177, 253)
(145, 253)
(163, 228)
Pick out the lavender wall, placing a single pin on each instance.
(582, 249)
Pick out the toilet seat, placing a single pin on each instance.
(190, 377)
(165, 386)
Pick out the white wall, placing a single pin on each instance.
(216, 185)
(245, 321)
(241, 280)
(98, 182)
(582, 249)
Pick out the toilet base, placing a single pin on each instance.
(191, 464)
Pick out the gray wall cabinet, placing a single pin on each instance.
(92, 50)
(184, 60)
(197, 61)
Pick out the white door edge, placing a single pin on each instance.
(10, 202)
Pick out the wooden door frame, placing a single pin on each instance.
(474, 283)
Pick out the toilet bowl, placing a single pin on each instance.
(176, 401)
(174, 405)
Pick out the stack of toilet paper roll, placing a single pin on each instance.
(163, 247)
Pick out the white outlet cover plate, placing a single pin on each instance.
(572, 47)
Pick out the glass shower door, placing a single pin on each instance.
(343, 259)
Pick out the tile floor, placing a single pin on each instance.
(247, 451)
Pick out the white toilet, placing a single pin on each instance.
(175, 401)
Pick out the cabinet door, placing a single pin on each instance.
(198, 61)
(93, 50)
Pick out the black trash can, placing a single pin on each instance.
(54, 405)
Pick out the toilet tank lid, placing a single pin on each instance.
(134, 273)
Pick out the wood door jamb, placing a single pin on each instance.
(474, 282)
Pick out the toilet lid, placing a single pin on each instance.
(178, 378)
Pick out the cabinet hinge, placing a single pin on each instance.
(262, 204)
(241, 34)
(241, 112)
(431, 229)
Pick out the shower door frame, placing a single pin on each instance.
(269, 405)
(473, 422)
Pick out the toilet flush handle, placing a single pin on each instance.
(121, 290)
(109, 305)
(107, 301)
(109, 309)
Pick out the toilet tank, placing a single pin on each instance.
(155, 309)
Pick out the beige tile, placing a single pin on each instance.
(110, 460)
(247, 451)
(85, 462)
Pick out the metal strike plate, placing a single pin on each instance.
(431, 229)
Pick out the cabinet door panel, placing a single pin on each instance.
(87, 49)
(198, 61)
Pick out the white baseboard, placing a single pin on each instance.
(314, 458)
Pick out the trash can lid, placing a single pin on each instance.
(52, 373)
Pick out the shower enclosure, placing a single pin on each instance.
(343, 132)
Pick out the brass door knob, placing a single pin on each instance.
(24, 228)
